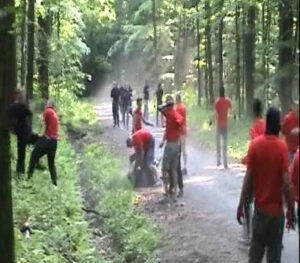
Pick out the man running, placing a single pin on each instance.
(137, 117)
(290, 130)
(146, 101)
(19, 117)
(174, 123)
(159, 97)
(46, 144)
(144, 144)
(115, 95)
(267, 171)
(222, 106)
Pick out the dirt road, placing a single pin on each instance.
(202, 226)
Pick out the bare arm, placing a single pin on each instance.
(287, 190)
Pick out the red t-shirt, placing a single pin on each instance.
(174, 122)
(291, 122)
(222, 105)
(141, 140)
(294, 176)
(268, 160)
(258, 128)
(137, 117)
(51, 122)
(181, 109)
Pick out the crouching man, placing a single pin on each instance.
(144, 144)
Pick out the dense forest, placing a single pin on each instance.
(54, 47)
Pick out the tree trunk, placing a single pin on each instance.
(220, 46)
(250, 57)
(23, 40)
(206, 76)
(286, 62)
(198, 56)
(237, 62)
(156, 70)
(7, 84)
(243, 62)
(44, 50)
(209, 54)
(30, 48)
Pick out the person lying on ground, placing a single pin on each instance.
(19, 122)
(267, 172)
(137, 117)
(290, 130)
(46, 144)
(174, 123)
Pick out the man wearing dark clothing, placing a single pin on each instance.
(159, 97)
(115, 95)
(123, 92)
(19, 116)
(47, 144)
(146, 101)
(127, 106)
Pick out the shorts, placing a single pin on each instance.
(171, 156)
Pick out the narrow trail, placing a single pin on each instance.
(202, 226)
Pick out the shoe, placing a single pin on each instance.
(54, 183)
(180, 194)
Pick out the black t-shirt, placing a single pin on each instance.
(146, 92)
(115, 94)
(18, 118)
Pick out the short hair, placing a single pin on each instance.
(222, 91)
(257, 108)
(273, 121)
(138, 100)
(169, 99)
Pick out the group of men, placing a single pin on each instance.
(19, 119)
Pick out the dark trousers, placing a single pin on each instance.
(48, 146)
(179, 174)
(115, 111)
(267, 234)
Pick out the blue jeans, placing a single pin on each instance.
(267, 234)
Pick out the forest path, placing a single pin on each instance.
(202, 226)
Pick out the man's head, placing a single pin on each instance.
(273, 121)
(222, 92)
(115, 84)
(169, 100)
(129, 142)
(139, 102)
(178, 98)
(257, 108)
(50, 103)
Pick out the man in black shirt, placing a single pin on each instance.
(19, 122)
(146, 101)
(115, 95)
(159, 97)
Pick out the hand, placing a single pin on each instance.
(290, 217)
(295, 131)
(161, 144)
(240, 214)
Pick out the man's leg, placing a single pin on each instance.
(218, 145)
(21, 155)
(224, 135)
(184, 154)
(114, 114)
(179, 176)
(274, 242)
(174, 165)
(36, 154)
(259, 234)
(51, 160)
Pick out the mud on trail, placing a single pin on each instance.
(201, 226)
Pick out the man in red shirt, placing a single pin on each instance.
(267, 172)
(46, 144)
(294, 178)
(137, 117)
(290, 129)
(174, 123)
(222, 106)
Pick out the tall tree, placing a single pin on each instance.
(250, 57)
(7, 84)
(286, 61)
(30, 49)
(156, 70)
(44, 50)
(198, 54)
(209, 53)
(23, 40)
(220, 44)
(237, 62)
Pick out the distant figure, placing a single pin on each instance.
(115, 95)
(267, 173)
(159, 98)
(143, 143)
(294, 178)
(46, 144)
(222, 106)
(127, 105)
(123, 92)
(290, 130)
(137, 117)
(19, 118)
(146, 101)
(174, 123)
